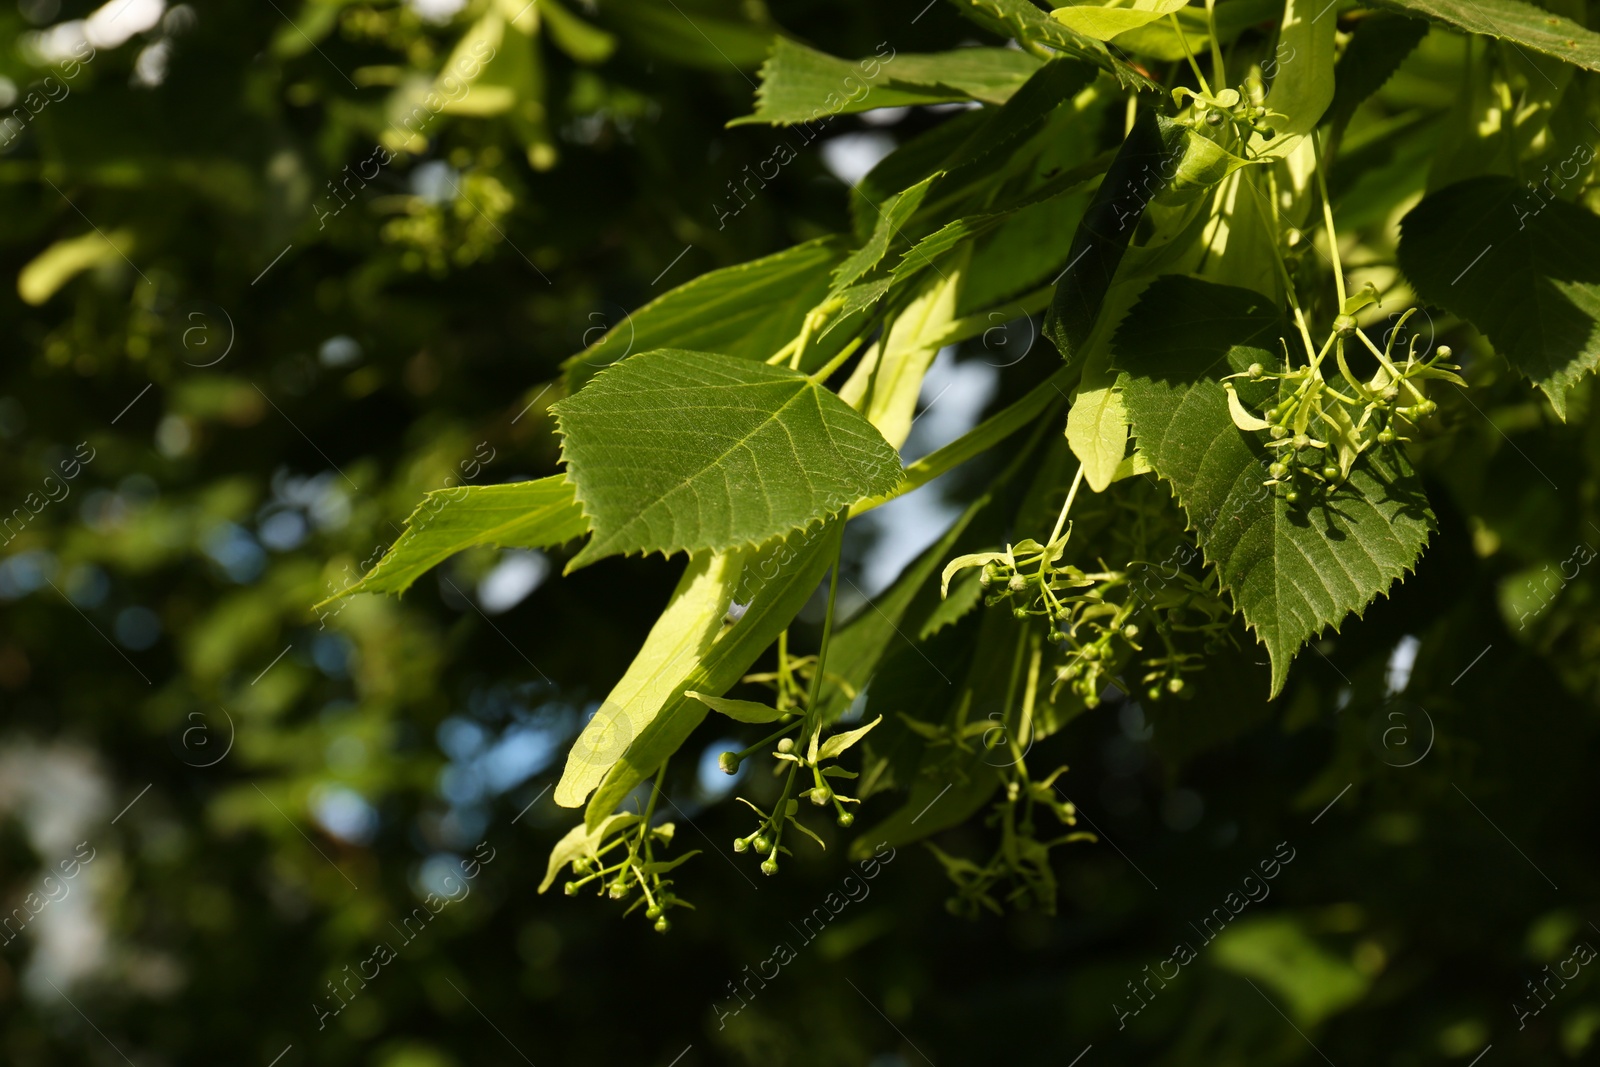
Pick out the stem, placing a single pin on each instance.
(1327, 220)
(1205, 87)
(1030, 693)
(836, 362)
(812, 711)
(980, 439)
(765, 741)
(1218, 70)
(1061, 520)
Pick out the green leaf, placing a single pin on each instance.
(1523, 269)
(802, 85)
(888, 380)
(738, 710)
(992, 144)
(1314, 981)
(953, 607)
(952, 791)
(1514, 21)
(695, 38)
(1107, 225)
(66, 259)
(675, 646)
(1097, 430)
(581, 40)
(1302, 88)
(750, 310)
(1023, 20)
(1158, 40)
(1104, 20)
(837, 743)
(776, 596)
(679, 451)
(663, 866)
(908, 164)
(895, 214)
(1202, 165)
(1292, 571)
(970, 559)
(536, 514)
(1377, 47)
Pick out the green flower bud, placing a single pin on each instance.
(1386, 437)
(1344, 325)
(1153, 693)
(729, 762)
(1256, 371)
(653, 911)
(1175, 685)
(1292, 496)
(1017, 584)
(1130, 631)
(785, 744)
(763, 844)
(770, 865)
(618, 891)
(571, 889)
(1278, 470)
(740, 844)
(846, 819)
(1444, 352)
(1331, 472)
(662, 926)
(1214, 118)
(1019, 612)
(1268, 133)
(821, 795)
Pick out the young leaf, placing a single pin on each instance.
(536, 514)
(679, 451)
(802, 85)
(1292, 570)
(663, 866)
(1523, 269)
(675, 646)
(1103, 21)
(1097, 423)
(837, 743)
(971, 559)
(738, 710)
(581, 841)
(749, 310)
(1512, 20)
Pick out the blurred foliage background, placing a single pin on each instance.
(263, 303)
